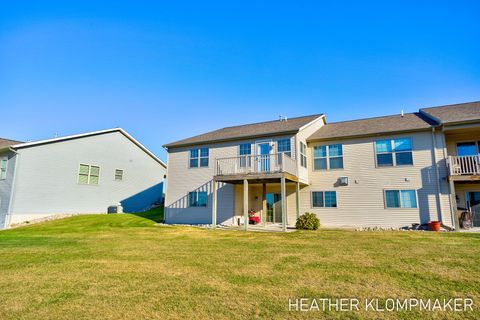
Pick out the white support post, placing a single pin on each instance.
(284, 204)
(214, 204)
(245, 203)
(297, 198)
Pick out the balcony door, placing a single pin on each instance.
(467, 149)
(274, 208)
(263, 152)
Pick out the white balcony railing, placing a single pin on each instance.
(256, 164)
(464, 165)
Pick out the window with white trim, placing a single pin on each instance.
(400, 199)
(118, 174)
(197, 199)
(198, 158)
(245, 150)
(303, 154)
(324, 199)
(284, 146)
(394, 152)
(328, 157)
(3, 169)
(88, 174)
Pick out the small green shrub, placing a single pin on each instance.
(308, 221)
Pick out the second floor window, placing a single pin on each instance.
(283, 146)
(328, 157)
(245, 149)
(88, 174)
(303, 154)
(198, 158)
(197, 199)
(394, 152)
(3, 169)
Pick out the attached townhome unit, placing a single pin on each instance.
(390, 171)
(84, 173)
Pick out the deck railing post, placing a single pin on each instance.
(284, 203)
(245, 203)
(214, 204)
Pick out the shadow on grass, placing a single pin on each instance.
(155, 214)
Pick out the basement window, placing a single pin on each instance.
(197, 199)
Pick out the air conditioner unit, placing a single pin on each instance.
(343, 181)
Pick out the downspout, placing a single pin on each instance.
(437, 173)
(453, 205)
(8, 218)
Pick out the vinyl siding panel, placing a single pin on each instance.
(181, 180)
(302, 136)
(6, 186)
(361, 203)
(47, 175)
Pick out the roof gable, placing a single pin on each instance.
(88, 134)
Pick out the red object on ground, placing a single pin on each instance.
(254, 220)
(434, 225)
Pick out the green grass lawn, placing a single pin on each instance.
(123, 266)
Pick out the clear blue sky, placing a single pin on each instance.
(169, 70)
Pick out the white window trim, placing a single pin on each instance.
(327, 157)
(304, 155)
(197, 192)
(198, 158)
(399, 189)
(322, 191)
(89, 174)
(394, 159)
(283, 139)
(6, 167)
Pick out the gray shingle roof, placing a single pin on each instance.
(373, 126)
(462, 112)
(7, 143)
(247, 131)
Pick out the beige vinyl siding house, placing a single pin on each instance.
(362, 201)
(390, 171)
(227, 152)
(182, 180)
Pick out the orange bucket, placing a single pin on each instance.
(434, 225)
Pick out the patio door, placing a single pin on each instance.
(274, 208)
(263, 152)
(473, 204)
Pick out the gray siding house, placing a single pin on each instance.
(83, 173)
(389, 171)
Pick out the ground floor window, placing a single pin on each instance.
(324, 199)
(400, 198)
(197, 199)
